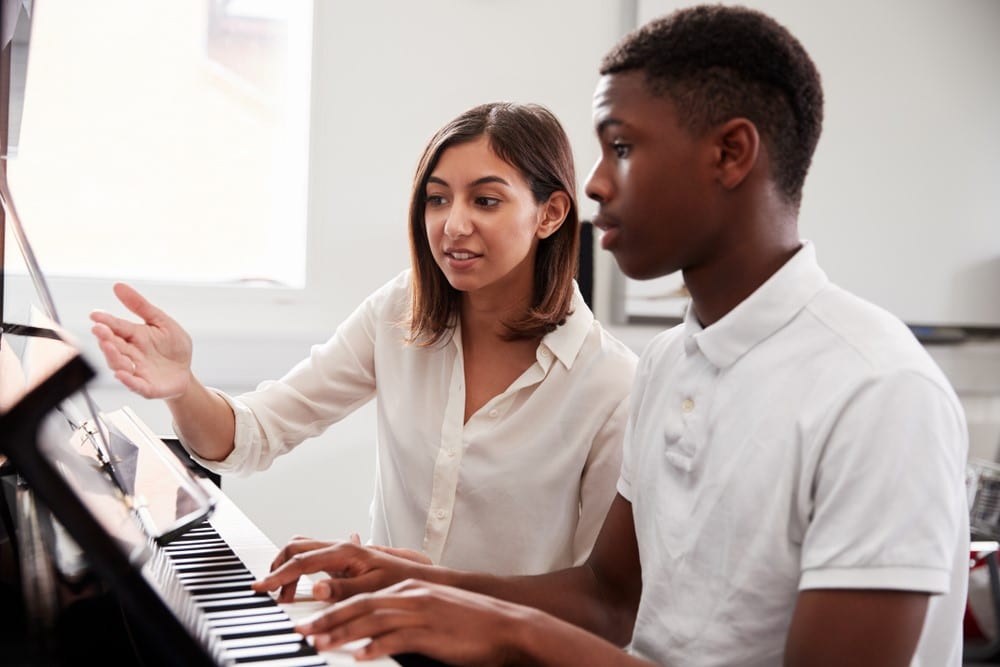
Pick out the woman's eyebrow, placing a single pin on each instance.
(489, 179)
(479, 181)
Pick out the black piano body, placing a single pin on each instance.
(185, 602)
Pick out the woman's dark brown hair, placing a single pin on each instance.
(531, 139)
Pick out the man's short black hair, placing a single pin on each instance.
(720, 62)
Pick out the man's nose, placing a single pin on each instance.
(597, 186)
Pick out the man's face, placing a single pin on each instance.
(654, 181)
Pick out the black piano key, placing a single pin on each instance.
(205, 591)
(296, 661)
(259, 653)
(273, 627)
(229, 605)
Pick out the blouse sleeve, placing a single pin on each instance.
(597, 487)
(335, 379)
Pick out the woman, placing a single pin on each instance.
(501, 402)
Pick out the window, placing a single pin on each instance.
(167, 141)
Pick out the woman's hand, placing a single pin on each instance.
(409, 554)
(152, 358)
(352, 568)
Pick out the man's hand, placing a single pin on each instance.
(448, 624)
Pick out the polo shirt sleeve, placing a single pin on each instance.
(889, 502)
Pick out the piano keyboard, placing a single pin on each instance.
(237, 624)
(204, 575)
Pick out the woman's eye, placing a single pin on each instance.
(621, 150)
(487, 202)
(434, 200)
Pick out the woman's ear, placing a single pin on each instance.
(737, 145)
(552, 214)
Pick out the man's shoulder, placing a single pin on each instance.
(876, 336)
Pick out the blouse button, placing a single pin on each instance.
(494, 413)
(687, 405)
(439, 514)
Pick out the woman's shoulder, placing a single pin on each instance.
(613, 356)
(394, 294)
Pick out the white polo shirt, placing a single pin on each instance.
(521, 488)
(805, 440)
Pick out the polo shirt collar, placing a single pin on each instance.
(565, 342)
(768, 309)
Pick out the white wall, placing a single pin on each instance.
(903, 198)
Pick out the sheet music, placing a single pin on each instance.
(167, 497)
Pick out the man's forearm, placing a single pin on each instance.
(549, 642)
(573, 595)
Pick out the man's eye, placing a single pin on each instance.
(621, 150)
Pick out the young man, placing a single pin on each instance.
(792, 489)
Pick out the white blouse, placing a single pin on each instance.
(521, 488)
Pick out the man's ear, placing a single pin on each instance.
(553, 214)
(737, 146)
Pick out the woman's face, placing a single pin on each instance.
(482, 221)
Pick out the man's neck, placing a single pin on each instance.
(732, 276)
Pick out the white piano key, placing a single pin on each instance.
(195, 580)
(236, 613)
(254, 628)
(248, 619)
(262, 651)
(244, 642)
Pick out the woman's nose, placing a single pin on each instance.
(459, 221)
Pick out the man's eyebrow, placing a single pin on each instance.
(608, 122)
